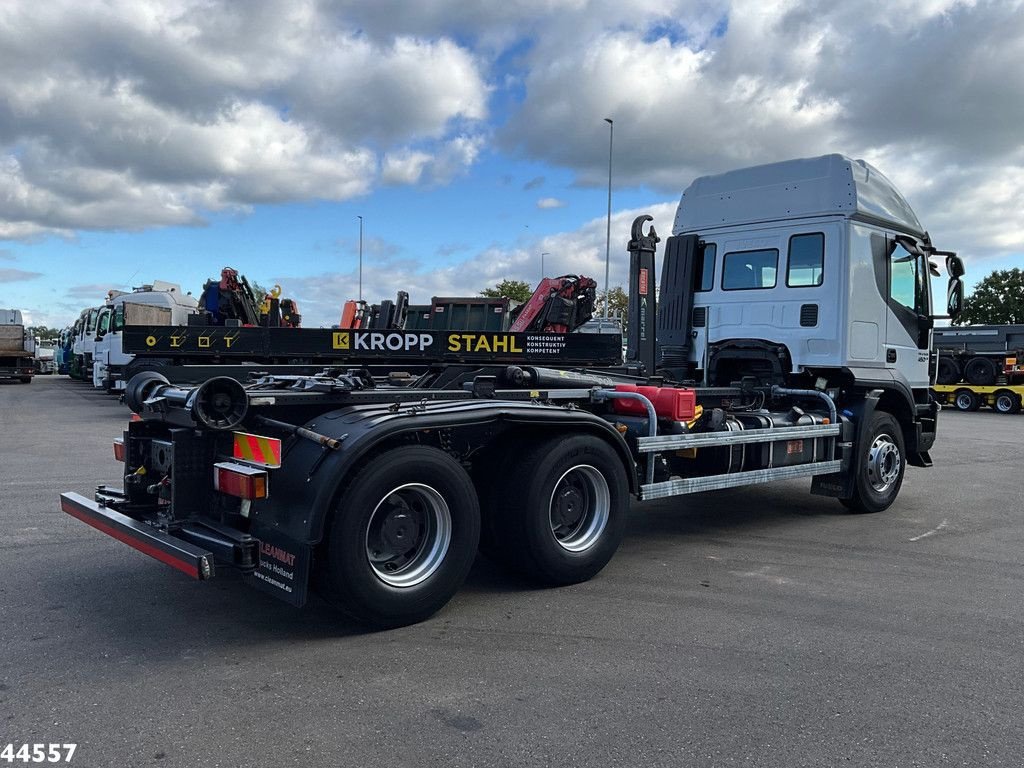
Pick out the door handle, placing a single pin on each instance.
(890, 355)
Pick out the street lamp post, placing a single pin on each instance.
(360, 257)
(608, 234)
(543, 274)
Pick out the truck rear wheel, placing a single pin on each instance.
(1006, 402)
(966, 400)
(980, 371)
(883, 464)
(948, 371)
(403, 537)
(561, 513)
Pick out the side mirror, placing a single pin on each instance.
(954, 266)
(955, 297)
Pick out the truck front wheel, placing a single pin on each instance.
(403, 537)
(561, 512)
(883, 464)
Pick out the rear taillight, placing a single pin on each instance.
(119, 449)
(240, 480)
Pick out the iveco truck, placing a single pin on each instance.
(792, 340)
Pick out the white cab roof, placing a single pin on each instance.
(794, 189)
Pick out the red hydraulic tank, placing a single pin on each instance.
(672, 403)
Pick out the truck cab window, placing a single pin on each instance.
(104, 322)
(118, 323)
(905, 284)
(704, 268)
(744, 270)
(806, 260)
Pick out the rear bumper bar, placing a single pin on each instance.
(187, 558)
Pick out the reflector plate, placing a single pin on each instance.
(257, 449)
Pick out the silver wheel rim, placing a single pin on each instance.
(1004, 403)
(963, 402)
(579, 508)
(883, 463)
(408, 535)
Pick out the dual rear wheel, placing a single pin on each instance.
(405, 532)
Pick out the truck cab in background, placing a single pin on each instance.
(84, 343)
(810, 273)
(45, 357)
(158, 304)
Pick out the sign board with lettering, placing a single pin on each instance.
(344, 346)
(283, 568)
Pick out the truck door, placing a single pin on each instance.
(908, 321)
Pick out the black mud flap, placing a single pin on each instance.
(282, 569)
(919, 459)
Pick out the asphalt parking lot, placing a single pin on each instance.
(752, 627)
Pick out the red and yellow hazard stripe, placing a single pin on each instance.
(257, 449)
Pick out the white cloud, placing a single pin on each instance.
(550, 202)
(925, 88)
(17, 275)
(581, 251)
(131, 115)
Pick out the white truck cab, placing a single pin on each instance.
(85, 340)
(811, 273)
(160, 303)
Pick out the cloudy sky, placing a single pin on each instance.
(147, 140)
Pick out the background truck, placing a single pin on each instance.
(982, 355)
(160, 304)
(44, 356)
(981, 365)
(793, 340)
(17, 347)
(83, 343)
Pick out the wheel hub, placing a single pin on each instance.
(883, 465)
(579, 508)
(400, 530)
(569, 507)
(408, 535)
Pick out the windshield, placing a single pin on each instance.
(104, 322)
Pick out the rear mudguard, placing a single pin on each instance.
(305, 489)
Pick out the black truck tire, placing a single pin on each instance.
(402, 538)
(1006, 401)
(980, 371)
(883, 464)
(948, 371)
(966, 400)
(560, 512)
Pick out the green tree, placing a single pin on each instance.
(43, 332)
(258, 291)
(618, 303)
(517, 290)
(996, 299)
